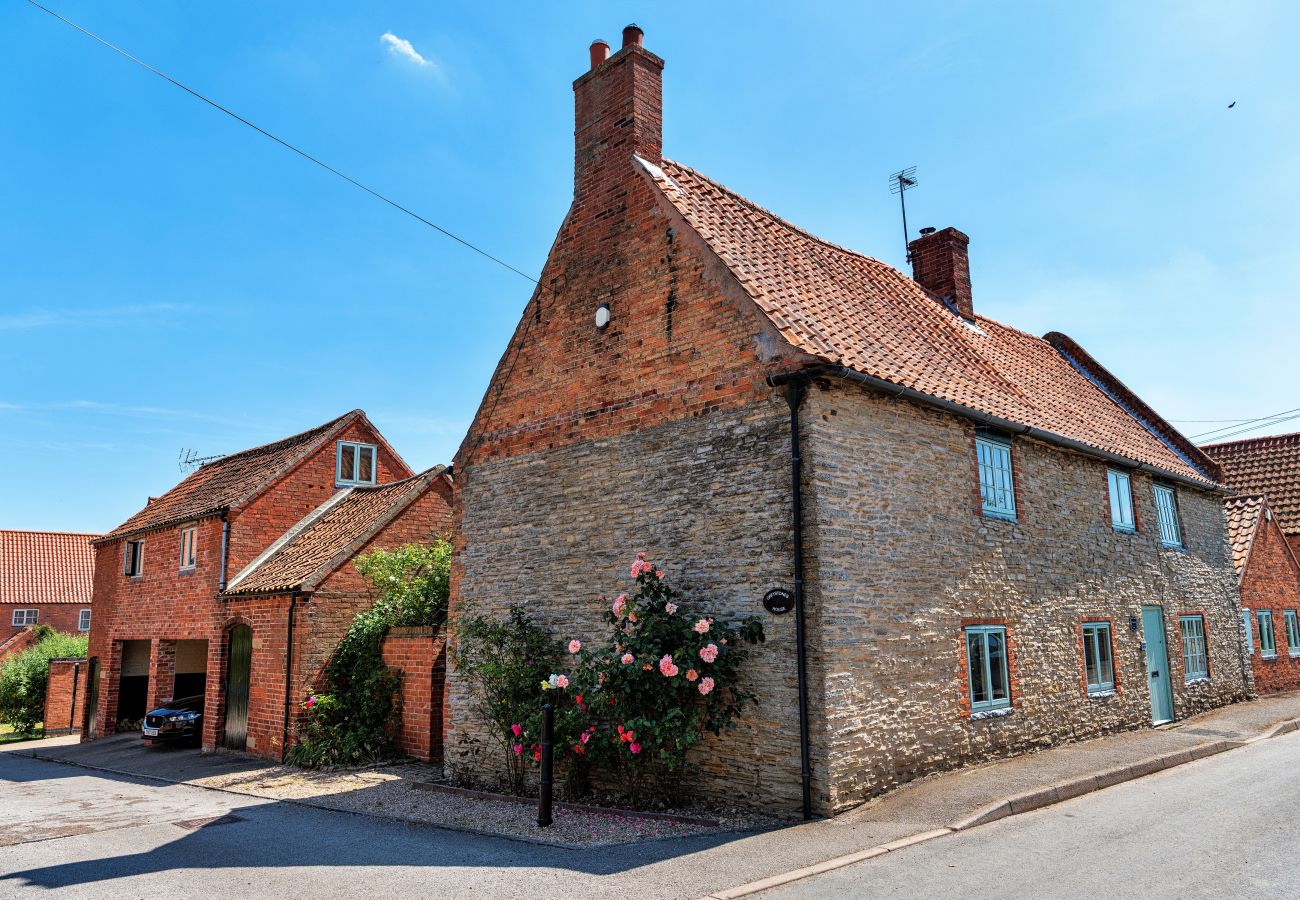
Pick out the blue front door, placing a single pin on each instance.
(1162, 697)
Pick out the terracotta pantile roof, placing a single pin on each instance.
(46, 567)
(853, 311)
(1265, 465)
(329, 536)
(230, 480)
(1243, 513)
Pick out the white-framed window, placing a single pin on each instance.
(1171, 533)
(83, 620)
(189, 546)
(1292, 632)
(1098, 665)
(1267, 640)
(132, 557)
(1121, 500)
(986, 667)
(24, 617)
(997, 486)
(356, 463)
(1196, 662)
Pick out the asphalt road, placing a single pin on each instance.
(1226, 826)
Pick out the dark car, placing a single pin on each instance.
(179, 722)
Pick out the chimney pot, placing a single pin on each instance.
(633, 36)
(599, 53)
(941, 265)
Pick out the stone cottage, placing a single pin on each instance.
(992, 543)
(236, 584)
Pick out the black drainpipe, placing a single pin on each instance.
(796, 388)
(225, 549)
(72, 713)
(288, 677)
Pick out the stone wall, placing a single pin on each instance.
(708, 499)
(901, 559)
(1271, 581)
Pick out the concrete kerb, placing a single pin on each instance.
(1010, 806)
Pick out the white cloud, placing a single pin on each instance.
(403, 48)
(59, 318)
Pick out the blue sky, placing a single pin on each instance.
(169, 279)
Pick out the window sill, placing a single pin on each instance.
(1268, 657)
(338, 485)
(1181, 548)
(1102, 695)
(991, 713)
(1198, 679)
(1294, 654)
(1120, 529)
(999, 517)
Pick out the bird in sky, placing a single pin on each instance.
(1232, 104)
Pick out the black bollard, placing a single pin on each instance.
(548, 729)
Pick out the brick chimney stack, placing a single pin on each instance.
(941, 265)
(619, 112)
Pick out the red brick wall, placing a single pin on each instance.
(418, 654)
(65, 693)
(59, 616)
(1272, 581)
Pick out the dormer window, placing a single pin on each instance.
(356, 463)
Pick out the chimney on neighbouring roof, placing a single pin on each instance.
(941, 265)
(618, 112)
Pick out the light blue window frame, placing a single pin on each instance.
(1196, 663)
(355, 452)
(1249, 621)
(1121, 501)
(1267, 639)
(1292, 632)
(1098, 660)
(997, 483)
(1171, 533)
(987, 673)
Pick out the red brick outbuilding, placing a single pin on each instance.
(45, 579)
(1270, 592)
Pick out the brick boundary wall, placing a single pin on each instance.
(417, 653)
(65, 696)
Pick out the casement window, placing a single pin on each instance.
(1292, 632)
(1267, 642)
(26, 617)
(189, 546)
(1196, 663)
(1121, 501)
(1171, 533)
(1250, 630)
(1098, 666)
(997, 488)
(83, 620)
(356, 463)
(986, 667)
(133, 558)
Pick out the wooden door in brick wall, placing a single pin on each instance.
(238, 669)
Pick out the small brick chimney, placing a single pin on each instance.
(619, 112)
(941, 265)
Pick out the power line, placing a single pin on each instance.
(283, 143)
(1248, 425)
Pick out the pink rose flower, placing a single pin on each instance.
(518, 748)
(691, 674)
(640, 566)
(585, 736)
(575, 646)
(659, 574)
(635, 747)
(706, 685)
(627, 659)
(517, 730)
(666, 666)
(311, 701)
(620, 604)
(562, 681)
(709, 652)
(670, 608)
(701, 626)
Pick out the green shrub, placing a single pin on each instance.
(353, 718)
(24, 675)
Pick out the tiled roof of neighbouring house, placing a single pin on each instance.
(46, 567)
(329, 536)
(1265, 465)
(1243, 513)
(231, 479)
(857, 312)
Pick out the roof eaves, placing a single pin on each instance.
(159, 526)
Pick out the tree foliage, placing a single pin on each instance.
(23, 677)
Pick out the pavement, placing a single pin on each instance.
(931, 812)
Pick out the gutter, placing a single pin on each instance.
(288, 676)
(966, 412)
